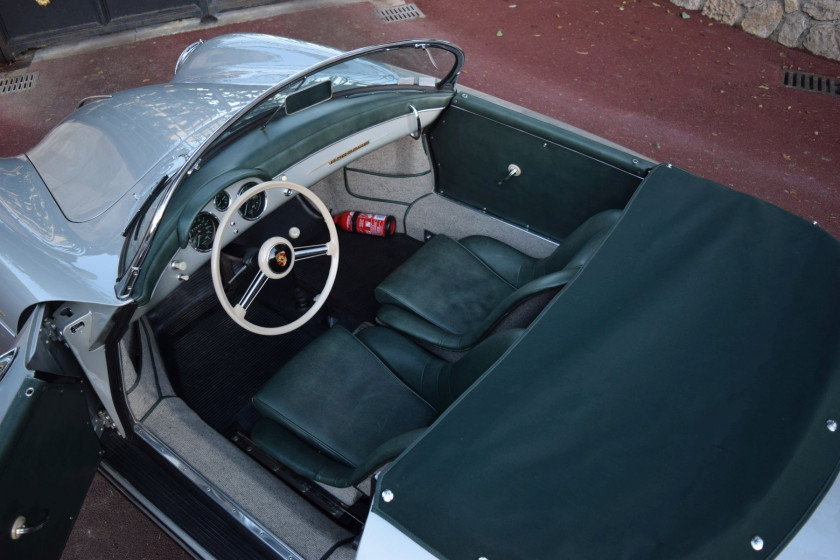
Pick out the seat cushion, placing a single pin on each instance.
(339, 397)
(446, 285)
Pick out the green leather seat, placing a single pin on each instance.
(347, 404)
(451, 294)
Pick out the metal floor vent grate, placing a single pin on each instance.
(400, 13)
(811, 82)
(20, 82)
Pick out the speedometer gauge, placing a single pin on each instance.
(202, 232)
(254, 206)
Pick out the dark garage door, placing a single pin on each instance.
(26, 24)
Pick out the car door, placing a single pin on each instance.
(527, 169)
(49, 451)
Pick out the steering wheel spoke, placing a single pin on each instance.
(251, 293)
(276, 259)
(311, 251)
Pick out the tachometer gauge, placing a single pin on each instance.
(255, 205)
(202, 232)
(222, 201)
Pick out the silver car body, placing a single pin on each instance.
(62, 218)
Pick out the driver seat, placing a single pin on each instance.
(347, 404)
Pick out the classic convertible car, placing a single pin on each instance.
(563, 349)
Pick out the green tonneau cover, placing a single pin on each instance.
(670, 403)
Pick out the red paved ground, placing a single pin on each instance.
(692, 91)
(702, 95)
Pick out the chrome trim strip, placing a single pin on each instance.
(218, 496)
(416, 133)
(6, 361)
(128, 277)
(90, 98)
(185, 54)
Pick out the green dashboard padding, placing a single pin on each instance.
(671, 402)
(565, 179)
(266, 153)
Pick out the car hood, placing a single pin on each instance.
(101, 151)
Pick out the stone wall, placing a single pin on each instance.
(812, 24)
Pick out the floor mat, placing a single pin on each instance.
(216, 366)
(364, 262)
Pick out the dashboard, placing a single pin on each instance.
(305, 172)
(203, 229)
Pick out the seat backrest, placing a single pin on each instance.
(579, 246)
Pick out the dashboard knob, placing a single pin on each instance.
(179, 265)
(183, 277)
(294, 233)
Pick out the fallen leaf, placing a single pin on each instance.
(762, 86)
(786, 157)
(145, 80)
(512, 6)
(685, 15)
(657, 5)
(582, 52)
(536, 35)
(499, 33)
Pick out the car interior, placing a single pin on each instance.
(496, 209)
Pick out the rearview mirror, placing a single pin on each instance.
(314, 94)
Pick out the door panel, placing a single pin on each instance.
(49, 454)
(565, 177)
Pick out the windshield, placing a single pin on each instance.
(406, 65)
(414, 68)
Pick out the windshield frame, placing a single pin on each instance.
(127, 275)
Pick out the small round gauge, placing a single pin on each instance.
(202, 232)
(222, 201)
(254, 206)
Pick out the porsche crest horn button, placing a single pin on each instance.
(280, 258)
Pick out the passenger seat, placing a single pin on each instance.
(452, 294)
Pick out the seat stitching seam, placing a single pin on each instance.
(301, 431)
(413, 309)
(394, 376)
(485, 265)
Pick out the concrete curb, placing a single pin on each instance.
(184, 26)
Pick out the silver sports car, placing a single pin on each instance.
(301, 303)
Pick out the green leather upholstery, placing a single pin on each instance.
(347, 404)
(451, 294)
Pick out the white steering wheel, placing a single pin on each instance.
(276, 259)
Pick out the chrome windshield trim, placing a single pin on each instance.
(6, 361)
(217, 495)
(128, 277)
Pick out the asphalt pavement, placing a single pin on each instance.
(691, 91)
